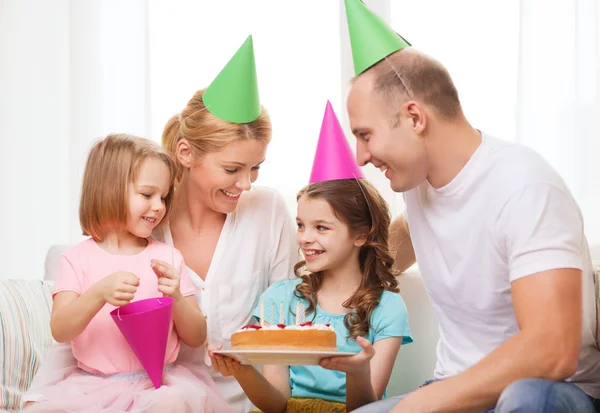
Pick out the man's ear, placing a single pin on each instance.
(415, 111)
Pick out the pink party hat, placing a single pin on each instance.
(334, 158)
(145, 324)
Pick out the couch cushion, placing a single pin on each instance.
(51, 263)
(415, 362)
(597, 291)
(25, 336)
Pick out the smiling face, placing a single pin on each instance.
(325, 241)
(146, 197)
(386, 139)
(220, 177)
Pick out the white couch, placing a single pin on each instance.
(416, 361)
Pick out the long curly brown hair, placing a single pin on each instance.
(358, 204)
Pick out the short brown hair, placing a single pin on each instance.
(358, 204)
(207, 133)
(112, 164)
(410, 74)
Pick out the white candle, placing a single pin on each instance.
(281, 318)
(272, 319)
(297, 313)
(262, 314)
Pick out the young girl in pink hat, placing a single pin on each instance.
(127, 192)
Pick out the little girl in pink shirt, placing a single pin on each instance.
(127, 191)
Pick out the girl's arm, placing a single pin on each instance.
(189, 321)
(369, 386)
(269, 391)
(71, 312)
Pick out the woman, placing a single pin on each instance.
(235, 240)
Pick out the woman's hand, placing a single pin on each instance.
(357, 363)
(223, 364)
(168, 279)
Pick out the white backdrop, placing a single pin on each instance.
(559, 95)
(73, 71)
(298, 65)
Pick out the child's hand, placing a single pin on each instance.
(118, 288)
(351, 364)
(223, 364)
(168, 279)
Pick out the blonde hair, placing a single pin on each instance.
(112, 164)
(411, 74)
(207, 133)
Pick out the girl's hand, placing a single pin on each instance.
(168, 279)
(118, 288)
(351, 364)
(223, 364)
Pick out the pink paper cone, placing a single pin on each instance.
(334, 158)
(145, 324)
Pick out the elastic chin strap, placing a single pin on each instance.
(366, 198)
(408, 92)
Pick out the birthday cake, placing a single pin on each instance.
(306, 336)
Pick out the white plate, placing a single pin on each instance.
(285, 357)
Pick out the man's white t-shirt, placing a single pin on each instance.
(506, 215)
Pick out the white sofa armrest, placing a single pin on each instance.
(51, 263)
(416, 361)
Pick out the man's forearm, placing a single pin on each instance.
(479, 388)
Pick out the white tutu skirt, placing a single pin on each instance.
(181, 392)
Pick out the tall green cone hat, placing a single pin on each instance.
(371, 38)
(233, 95)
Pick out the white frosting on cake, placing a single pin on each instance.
(291, 327)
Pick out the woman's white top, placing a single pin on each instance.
(255, 249)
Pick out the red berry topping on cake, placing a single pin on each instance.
(328, 325)
(249, 326)
(308, 323)
(281, 325)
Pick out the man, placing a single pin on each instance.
(498, 237)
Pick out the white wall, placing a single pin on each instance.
(108, 81)
(70, 72)
(34, 133)
(559, 95)
(298, 67)
(73, 71)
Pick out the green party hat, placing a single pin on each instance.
(371, 38)
(233, 95)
